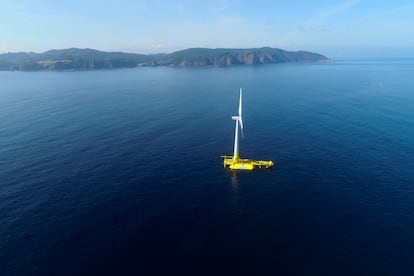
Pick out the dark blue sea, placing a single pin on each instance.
(118, 172)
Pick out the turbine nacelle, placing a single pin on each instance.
(239, 119)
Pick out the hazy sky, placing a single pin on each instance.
(333, 27)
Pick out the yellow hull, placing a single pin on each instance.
(245, 164)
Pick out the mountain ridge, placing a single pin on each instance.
(88, 59)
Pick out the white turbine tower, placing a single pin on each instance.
(238, 120)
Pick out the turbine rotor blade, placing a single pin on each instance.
(240, 103)
(241, 127)
(239, 118)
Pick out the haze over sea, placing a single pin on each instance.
(119, 171)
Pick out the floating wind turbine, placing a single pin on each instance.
(234, 162)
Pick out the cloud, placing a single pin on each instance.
(330, 12)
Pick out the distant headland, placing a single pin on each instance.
(88, 59)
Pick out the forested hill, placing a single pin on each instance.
(86, 59)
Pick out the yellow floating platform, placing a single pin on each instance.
(245, 164)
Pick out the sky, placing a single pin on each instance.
(336, 28)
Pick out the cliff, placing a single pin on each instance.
(87, 59)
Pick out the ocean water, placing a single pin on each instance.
(118, 172)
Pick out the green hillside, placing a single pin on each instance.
(87, 59)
